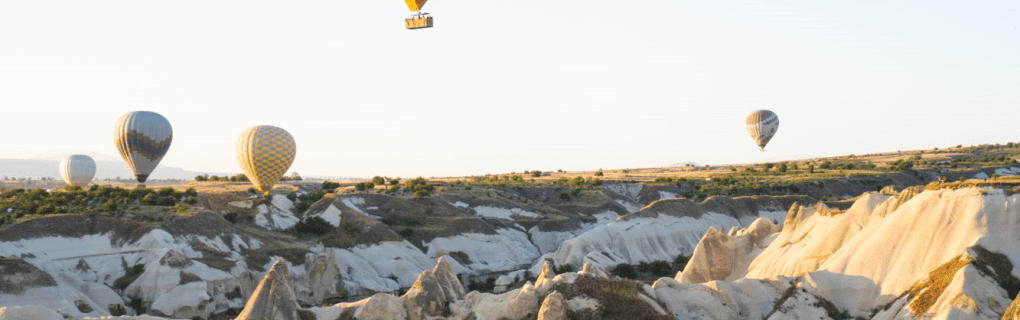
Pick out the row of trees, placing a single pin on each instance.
(236, 178)
(16, 203)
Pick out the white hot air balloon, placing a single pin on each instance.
(143, 138)
(77, 170)
(762, 125)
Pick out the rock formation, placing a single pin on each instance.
(553, 308)
(273, 298)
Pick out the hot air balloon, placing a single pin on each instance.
(77, 170)
(142, 138)
(418, 19)
(762, 124)
(265, 153)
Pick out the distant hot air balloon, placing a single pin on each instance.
(142, 138)
(419, 19)
(77, 170)
(762, 124)
(265, 153)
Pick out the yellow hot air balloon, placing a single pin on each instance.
(762, 125)
(415, 5)
(419, 19)
(265, 153)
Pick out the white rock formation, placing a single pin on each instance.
(273, 298)
(28, 313)
(553, 308)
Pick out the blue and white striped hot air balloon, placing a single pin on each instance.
(143, 138)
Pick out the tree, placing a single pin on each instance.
(625, 270)
(378, 180)
(201, 178)
(781, 167)
(395, 181)
(361, 186)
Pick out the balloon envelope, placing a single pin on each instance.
(265, 153)
(762, 125)
(415, 5)
(77, 170)
(143, 138)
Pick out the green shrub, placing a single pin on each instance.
(191, 192)
(564, 196)
(564, 268)
(406, 233)
(232, 217)
(314, 225)
(625, 270)
(349, 228)
(327, 185)
(378, 180)
(486, 286)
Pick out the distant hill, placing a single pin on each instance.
(35, 169)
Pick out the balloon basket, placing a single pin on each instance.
(418, 22)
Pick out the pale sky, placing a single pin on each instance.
(500, 86)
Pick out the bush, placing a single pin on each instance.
(109, 206)
(394, 181)
(330, 185)
(361, 186)
(406, 233)
(598, 173)
(350, 229)
(564, 268)
(165, 191)
(420, 194)
(681, 260)
(486, 286)
(252, 190)
(314, 225)
(624, 270)
(564, 196)
(232, 217)
(378, 180)
(661, 268)
(191, 192)
(292, 196)
(150, 199)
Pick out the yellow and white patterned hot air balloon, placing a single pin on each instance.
(762, 125)
(77, 170)
(143, 138)
(265, 153)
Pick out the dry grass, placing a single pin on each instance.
(928, 291)
(618, 299)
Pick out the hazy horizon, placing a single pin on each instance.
(496, 88)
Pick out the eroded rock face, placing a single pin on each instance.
(28, 312)
(321, 280)
(1013, 312)
(553, 308)
(273, 298)
(726, 256)
(19, 275)
(433, 292)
